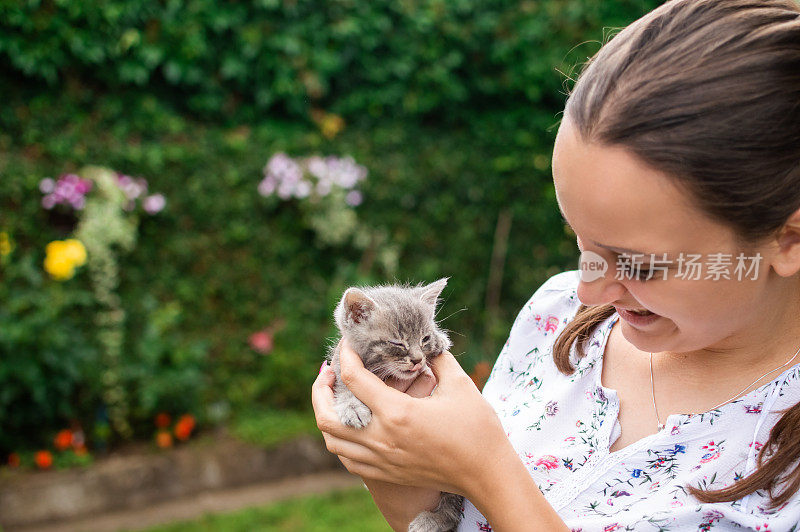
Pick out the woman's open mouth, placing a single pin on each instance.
(639, 318)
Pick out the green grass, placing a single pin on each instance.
(342, 510)
(269, 427)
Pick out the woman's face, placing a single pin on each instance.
(618, 206)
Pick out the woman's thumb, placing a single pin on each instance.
(446, 368)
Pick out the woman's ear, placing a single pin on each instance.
(786, 261)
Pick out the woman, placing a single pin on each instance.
(667, 397)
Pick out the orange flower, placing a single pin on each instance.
(184, 427)
(163, 420)
(13, 460)
(63, 439)
(163, 439)
(43, 459)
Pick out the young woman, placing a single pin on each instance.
(663, 394)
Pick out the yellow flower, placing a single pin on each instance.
(6, 247)
(75, 251)
(330, 124)
(63, 257)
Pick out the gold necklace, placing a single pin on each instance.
(660, 425)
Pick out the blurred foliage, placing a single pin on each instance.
(268, 428)
(48, 369)
(351, 57)
(451, 106)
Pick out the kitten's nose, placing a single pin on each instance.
(415, 359)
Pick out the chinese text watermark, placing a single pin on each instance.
(687, 266)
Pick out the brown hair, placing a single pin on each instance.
(707, 91)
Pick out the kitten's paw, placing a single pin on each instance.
(426, 522)
(355, 415)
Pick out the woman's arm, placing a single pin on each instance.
(451, 441)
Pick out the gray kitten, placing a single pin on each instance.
(393, 330)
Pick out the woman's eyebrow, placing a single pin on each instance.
(615, 249)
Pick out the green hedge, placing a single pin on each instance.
(352, 57)
(222, 262)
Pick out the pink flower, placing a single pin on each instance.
(261, 341)
(547, 461)
(153, 204)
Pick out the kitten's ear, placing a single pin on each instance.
(430, 293)
(357, 305)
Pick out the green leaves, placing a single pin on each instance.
(380, 57)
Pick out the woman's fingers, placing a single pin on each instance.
(349, 449)
(423, 385)
(364, 384)
(362, 470)
(322, 401)
(322, 398)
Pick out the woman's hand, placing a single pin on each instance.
(451, 441)
(448, 441)
(401, 504)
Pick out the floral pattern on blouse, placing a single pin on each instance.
(563, 427)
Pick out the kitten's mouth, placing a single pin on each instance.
(410, 374)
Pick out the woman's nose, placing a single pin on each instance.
(603, 290)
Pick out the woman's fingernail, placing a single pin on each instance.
(323, 366)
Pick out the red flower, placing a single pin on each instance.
(63, 439)
(184, 427)
(13, 460)
(163, 420)
(43, 459)
(261, 341)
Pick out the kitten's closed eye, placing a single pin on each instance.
(397, 344)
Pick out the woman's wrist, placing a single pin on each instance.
(400, 504)
(506, 494)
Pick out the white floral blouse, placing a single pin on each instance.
(562, 428)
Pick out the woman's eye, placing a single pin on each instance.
(426, 338)
(636, 274)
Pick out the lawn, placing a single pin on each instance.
(340, 510)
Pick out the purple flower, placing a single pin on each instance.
(290, 178)
(302, 189)
(48, 202)
(69, 189)
(133, 188)
(47, 185)
(267, 185)
(551, 408)
(153, 204)
(323, 187)
(345, 172)
(354, 198)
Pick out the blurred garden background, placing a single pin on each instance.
(188, 186)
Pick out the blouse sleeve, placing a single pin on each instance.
(533, 333)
